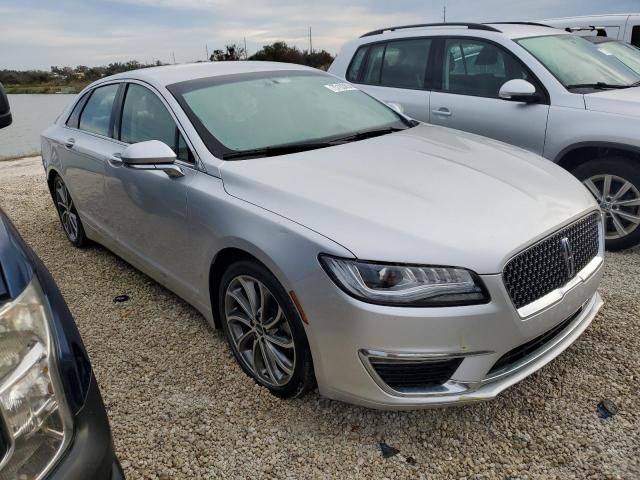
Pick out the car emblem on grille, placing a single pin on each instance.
(569, 260)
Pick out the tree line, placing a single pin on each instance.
(77, 77)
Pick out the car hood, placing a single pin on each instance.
(429, 195)
(625, 101)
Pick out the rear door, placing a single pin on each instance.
(470, 74)
(632, 31)
(395, 71)
(84, 150)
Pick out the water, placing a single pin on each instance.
(31, 115)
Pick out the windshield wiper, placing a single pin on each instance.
(275, 150)
(303, 147)
(598, 86)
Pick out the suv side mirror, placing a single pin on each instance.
(519, 90)
(5, 111)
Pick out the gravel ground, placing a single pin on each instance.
(181, 408)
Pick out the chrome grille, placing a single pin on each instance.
(547, 265)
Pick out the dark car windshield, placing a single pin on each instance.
(577, 63)
(270, 112)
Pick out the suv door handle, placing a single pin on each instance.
(442, 112)
(70, 143)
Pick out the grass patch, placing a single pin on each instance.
(44, 88)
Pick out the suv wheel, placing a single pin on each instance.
(68, 214)
(264, 330)
(615, 183)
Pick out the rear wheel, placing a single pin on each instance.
(615, 183)
(264, 330)
(68, 214)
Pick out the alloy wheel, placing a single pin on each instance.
(260, 331)
(619, 200)
(68, 214)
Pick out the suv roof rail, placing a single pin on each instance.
(535, 24)
(470, 26)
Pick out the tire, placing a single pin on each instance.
(622, 211)
(275, 355)
(68, 215)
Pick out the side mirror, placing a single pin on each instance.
(5, 111)
(396, 106)
(518, 90)
(148, 153)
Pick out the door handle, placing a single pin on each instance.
(115, 160)
(70, 143)
(442, 112)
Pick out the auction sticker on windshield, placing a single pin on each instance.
(340, 87)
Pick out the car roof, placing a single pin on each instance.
(170, 74)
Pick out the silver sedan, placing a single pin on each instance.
(334, 240)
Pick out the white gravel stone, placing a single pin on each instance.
(181, 408)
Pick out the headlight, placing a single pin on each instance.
(406, 285)
(34, 418)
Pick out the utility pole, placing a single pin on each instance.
(444, 14)
(206, 47)
(246, 55)
(173, 56)
(310, 42)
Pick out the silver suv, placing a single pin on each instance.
(530, 85)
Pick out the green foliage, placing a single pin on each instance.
(231, 53)
(281, 52)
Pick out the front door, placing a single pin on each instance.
(148, 208)
(467, 99)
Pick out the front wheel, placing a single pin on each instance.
(264, 330)
(615, 183)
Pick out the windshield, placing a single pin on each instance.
(263, 110)
(627, 54)
(575, 62)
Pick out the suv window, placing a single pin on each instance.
(635, 36)
(405, 63)
(144, 117)
(398, 64)
(474, 67)
(96, 116)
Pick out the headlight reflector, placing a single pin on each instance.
(405, 285)
(36, 420)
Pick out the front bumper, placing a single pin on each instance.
(345, 333)
(91, 453)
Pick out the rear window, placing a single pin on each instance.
(397, 64)
(96, 116)
(635, 36)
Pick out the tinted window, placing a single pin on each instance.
(356, 64)
(96, 115)
(635, 36)
(144, 117)
(405, 64)
(74, 118)
(473, 67)
(374, 65)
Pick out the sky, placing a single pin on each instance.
(36, 34)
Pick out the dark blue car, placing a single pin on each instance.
(53, 423)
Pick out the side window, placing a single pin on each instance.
(96, 116)
(353, 74)
(144, 117)
(405, 63)
(74, 118)
(374, 65)
(635, 36)
(474, 67)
